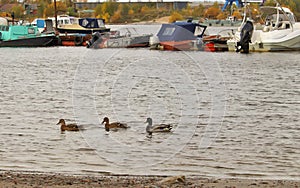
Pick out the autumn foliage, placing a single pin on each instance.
(115, 12)
(60, 8)
(175, 16)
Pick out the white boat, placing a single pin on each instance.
(69, 24)
(280, 32)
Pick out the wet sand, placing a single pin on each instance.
(10, 179)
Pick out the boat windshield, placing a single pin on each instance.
(199, 31)
(100, 23)
(282, 13)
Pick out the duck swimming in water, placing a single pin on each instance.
(157, 128)
(113, 125)
(65, 127)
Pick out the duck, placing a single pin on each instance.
(113, 125)
(157, 128)
(65, 127)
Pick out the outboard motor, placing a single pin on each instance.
(96, 39)
(246, 34)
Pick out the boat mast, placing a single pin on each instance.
(55, 14)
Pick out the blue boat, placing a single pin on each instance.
(16, 35)
(185, 35)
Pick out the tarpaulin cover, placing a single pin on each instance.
(177, 31)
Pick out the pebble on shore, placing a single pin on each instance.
(9, 179)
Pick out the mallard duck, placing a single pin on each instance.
(157, 128)
(69, 127)
(113, 125)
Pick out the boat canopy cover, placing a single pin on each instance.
(91, 22)
(179, 31)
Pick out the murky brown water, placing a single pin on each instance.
(234, 115)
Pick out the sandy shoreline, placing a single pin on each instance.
(10, 179)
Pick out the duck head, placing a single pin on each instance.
(149, 126)
(61, 121)
(105, 120)
(149, 121)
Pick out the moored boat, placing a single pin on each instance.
(185, 35)
(84, 26)
(218, 42)
(74, 39)
(12, 35)
(122, 38)
(280, 32)
(76, 31)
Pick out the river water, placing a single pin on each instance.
(234, 115)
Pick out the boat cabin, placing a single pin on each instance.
(14, 32)
(91, 22)
(63, 20)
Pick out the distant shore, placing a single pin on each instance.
(161, 20)
(26, 180)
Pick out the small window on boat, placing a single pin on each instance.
(30, 30)
(85, 22)
(4, 28)
(72, 20)
(92, 24)
(198, 31)
(100, 23)
(168, 31)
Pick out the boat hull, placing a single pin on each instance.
(82, 31)
(127, 42)
(215, 43)
(120, 42)
(41, 41)
(176, 46)
(74, 39)
(187, 45)
(289, 41)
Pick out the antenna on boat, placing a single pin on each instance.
(13, 17)
(55, 14)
